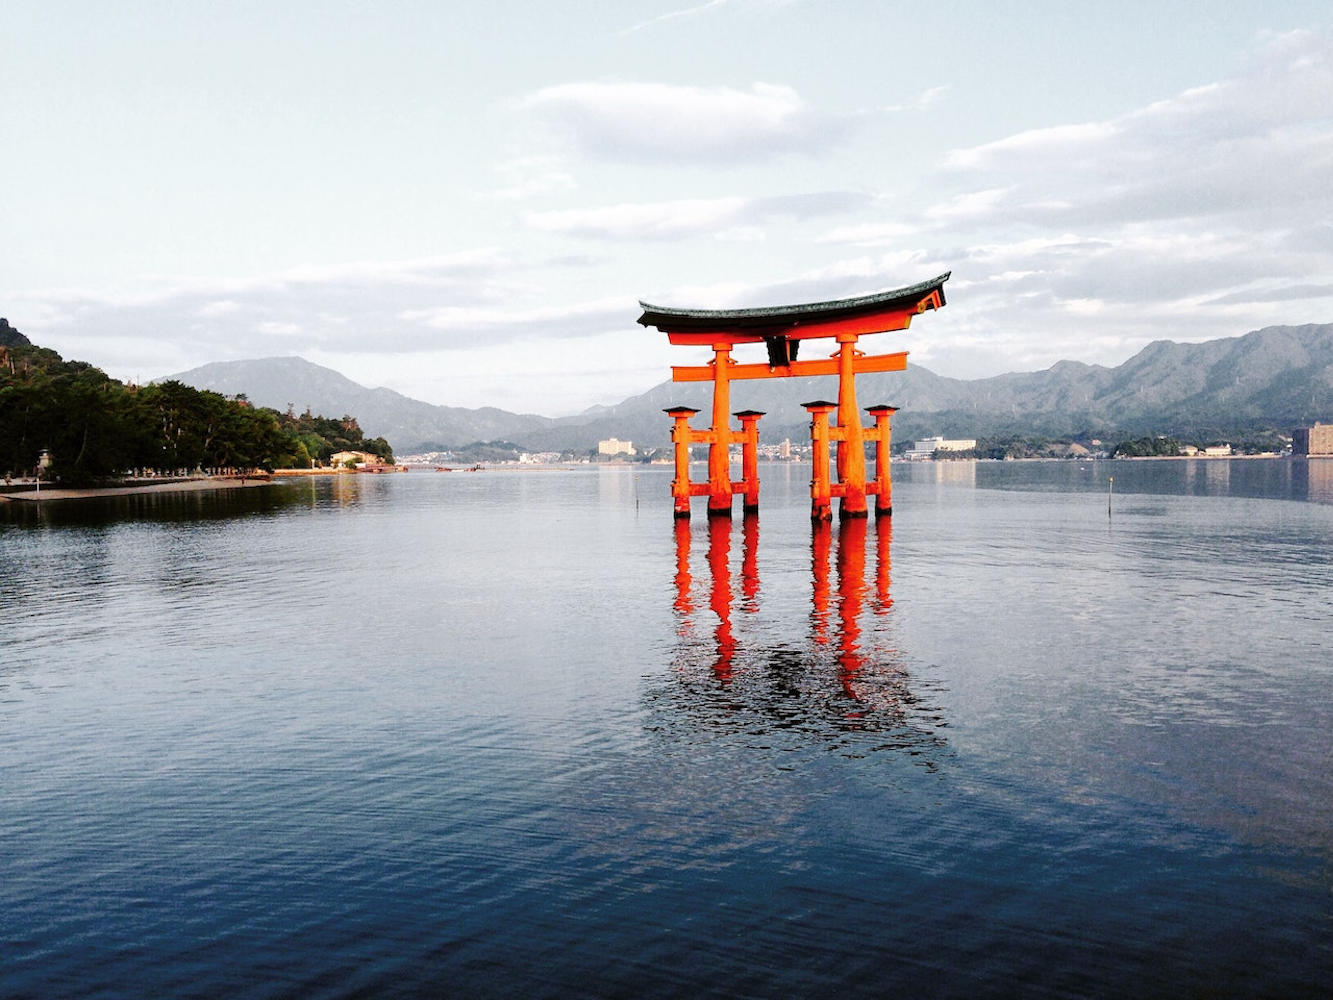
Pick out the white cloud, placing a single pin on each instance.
(1058, 144)
(655, 122)
(222, 308)
(927, 98)
(684, 12)
(1206, 214)
(662, 220)
(968, 206)
(708, 7)
(870, 234)
(273, 328)
(533, 177)
(169, 323)
(1254, 151)
(726, 218)
(499, 325)
(551, 183)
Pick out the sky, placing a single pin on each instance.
(466, 202)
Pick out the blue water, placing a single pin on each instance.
(521, 734)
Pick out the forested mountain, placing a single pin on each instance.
(1276, 378)
(94, 428)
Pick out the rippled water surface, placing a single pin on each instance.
(522, 734)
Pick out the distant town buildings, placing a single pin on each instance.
(341, 459)
(928, 447)
(1211, 451)
(1316, 440)
(614, 446)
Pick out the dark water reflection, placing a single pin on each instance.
(186, 507)
(523, 734)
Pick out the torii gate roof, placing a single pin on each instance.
(877, 313)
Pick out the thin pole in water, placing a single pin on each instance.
(1110, 485)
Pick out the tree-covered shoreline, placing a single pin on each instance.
(97, 429)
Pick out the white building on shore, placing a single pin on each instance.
(928, 447)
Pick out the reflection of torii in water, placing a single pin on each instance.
(720, 593)
(781, 329)
(853, 589)
(833, 691)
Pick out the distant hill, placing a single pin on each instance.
(1279, 377)
(404, 422)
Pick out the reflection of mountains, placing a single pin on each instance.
(828, 675)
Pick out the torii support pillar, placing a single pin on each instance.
(719, 443)
(850, 489)
(749, 438)
(849, 434)
(682, 436)
(882, 487)
(821, 485)
(720, 487)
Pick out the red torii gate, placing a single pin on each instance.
(781, 329)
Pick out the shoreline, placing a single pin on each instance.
(30, 495)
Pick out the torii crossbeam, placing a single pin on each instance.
(781, 329)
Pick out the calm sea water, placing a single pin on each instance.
(521, 734)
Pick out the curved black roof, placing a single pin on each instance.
(665, 318)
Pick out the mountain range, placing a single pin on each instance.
(1275, 378)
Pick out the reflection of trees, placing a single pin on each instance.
(750, 667)
(166, 507)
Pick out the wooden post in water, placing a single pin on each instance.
(851, 440)
(882, 487)
(719, 441)
(682, 436)
(821, 486)
(749, 435)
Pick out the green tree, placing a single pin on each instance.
(1147, 447)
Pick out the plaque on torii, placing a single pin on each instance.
(781, 329)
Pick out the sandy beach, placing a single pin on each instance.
(29, 495)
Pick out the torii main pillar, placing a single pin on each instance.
(781, 329)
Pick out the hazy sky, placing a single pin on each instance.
(466, 201)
